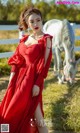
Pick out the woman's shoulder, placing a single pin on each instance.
(23, 39)
(48, 36)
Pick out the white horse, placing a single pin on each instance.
(63, 39)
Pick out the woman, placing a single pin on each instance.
(30, 64)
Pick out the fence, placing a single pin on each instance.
(9, 41)
(14, 41)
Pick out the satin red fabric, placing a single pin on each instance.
(18, 106)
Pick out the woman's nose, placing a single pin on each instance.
(35, 24)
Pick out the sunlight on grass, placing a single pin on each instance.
(77, 32)
(8, 34)
(59, 101)
(73, 109)
(4, 67)
(8, 48)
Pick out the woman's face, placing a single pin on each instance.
(35, 23)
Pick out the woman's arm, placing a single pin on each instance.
(11, 76)
(47, 60)
(43, 74)
(48, 48)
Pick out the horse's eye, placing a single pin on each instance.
(66, 38)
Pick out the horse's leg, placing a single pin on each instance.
(58, 57)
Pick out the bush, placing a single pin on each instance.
(77, 43)
(8, 22)
(4, 67)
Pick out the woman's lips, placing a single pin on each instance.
(36, 28)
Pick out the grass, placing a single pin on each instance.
(8, 48)
(77, 32)
(77, 43)
(62, 104)
(9, 34)
(4, 67)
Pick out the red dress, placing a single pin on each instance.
(18, 105)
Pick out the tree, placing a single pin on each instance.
(44, 8)
(28, 1)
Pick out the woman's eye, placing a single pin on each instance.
(32, 22)
(38, 20)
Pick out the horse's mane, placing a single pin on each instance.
(68, 31)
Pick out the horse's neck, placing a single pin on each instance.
(69, 44)
(69, 56)
(54, 28)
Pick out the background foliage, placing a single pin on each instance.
(12, 9)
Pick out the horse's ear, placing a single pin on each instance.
(71, 60)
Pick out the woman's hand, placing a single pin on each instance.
(35, 91)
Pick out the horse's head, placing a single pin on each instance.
(70, 70)
(68, 44)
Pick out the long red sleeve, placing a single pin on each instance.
(16, 60)
(44, 72)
